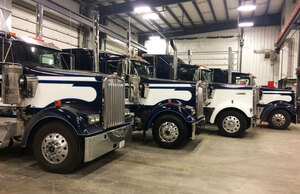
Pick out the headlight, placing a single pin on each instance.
(94, 118)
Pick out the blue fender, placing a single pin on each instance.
(277, 105)
(70, 115)
(179, 109)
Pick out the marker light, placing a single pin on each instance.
(150, 16)
(246, 8)
(142, 9)
(246, 24)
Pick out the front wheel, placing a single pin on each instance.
(279, 119)
(56, 148)
(169, 131)
(232, 124)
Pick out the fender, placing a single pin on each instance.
(277, 105)
(243, 107)
(175, 108)
(71, 115)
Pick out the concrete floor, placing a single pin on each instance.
(264, 161)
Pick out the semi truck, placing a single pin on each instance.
(68, 117)
(171, 108)
(275, 106)
(232, 107)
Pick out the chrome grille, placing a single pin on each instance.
(114, 101)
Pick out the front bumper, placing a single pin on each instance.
(100, 144)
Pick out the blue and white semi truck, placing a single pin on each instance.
(231, 107)
(68, 117)
(276, 106)
(172, 109)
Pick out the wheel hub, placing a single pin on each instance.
(278, 119)
(168, 132)
(231, 124)
(54, 148)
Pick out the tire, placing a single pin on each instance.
(279, 119)
(238, 121)
(71, 152)
(162, 134)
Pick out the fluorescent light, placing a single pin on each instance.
(246, 24)
(142, 9)
(246, 8)
(150, 16)
(154, 37)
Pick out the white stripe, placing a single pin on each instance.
(170, 85)
(277, 92)
(66, 78)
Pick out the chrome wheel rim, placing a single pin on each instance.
(278, 119)
(231, 124)
(55, 148)
(168, 132)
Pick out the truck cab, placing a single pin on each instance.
(172, 109)
(68, 117)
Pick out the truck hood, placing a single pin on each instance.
(60, 72)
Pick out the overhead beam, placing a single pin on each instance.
(267, 8)
(174, 16)
(86, 21)
(186, 14)
(127, 22)
(139, 21)
(212, 10)
(129, 6)
(226, 9)
(199, 12)
(269, 20)
(162, 18)
(254, 3)
(158, 27)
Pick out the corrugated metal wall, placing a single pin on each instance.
(24, 20)
(259, 38)
(210, 49)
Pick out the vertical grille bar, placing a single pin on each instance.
(114, 102)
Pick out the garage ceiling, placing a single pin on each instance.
(184, 17)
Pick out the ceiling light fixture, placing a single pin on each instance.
(246, 24)
(154, 37)
(142, 9)
(246, 8)
(150, 16)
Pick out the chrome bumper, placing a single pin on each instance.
(98, 145)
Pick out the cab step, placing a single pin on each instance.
(9, 128)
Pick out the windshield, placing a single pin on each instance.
(206, 76)
(137, 67)
(141, 68)
(36, 56)
(187, 74)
